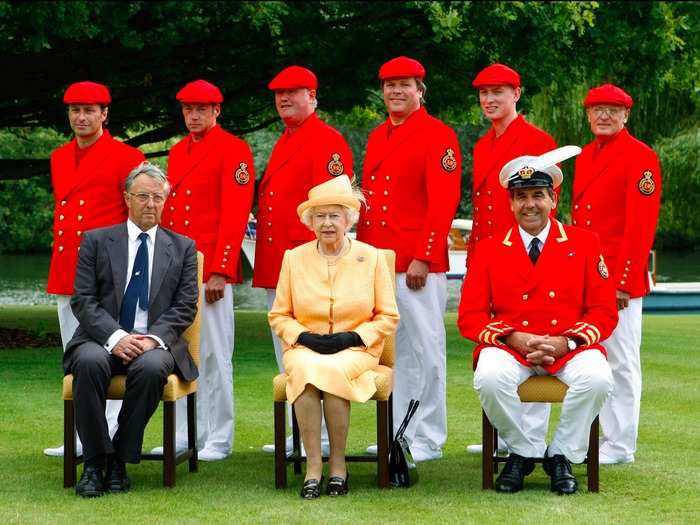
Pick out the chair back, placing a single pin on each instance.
(192, 334)
(389, 353)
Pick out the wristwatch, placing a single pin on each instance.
(571, 344)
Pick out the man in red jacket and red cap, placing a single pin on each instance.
(308, 152)
(617, 194)
(87, 176)
(510, 136)
(212, 177)
(538, 300)
(411, 176)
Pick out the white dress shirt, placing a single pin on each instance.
(141, 318)
(542, 236)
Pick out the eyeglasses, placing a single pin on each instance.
(143, 198)
(611, 111)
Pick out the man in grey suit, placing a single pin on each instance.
(133, 329)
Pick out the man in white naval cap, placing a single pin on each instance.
(538, 301)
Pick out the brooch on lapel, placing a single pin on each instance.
(449, 163)
(335, 167)
(646, 183)
(242, 176)
(602, 268)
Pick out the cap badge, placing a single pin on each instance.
(242, 176)
(602, 268)
(526, 172)
(335, 166)
(449, 162)
(646, 183)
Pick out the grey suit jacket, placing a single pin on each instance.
(100, 282)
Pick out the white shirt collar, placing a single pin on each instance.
(542, 236)
(134, 232)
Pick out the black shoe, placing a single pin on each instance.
(558, 468)
(337, 486)
(513, 475)
(311, 488)
(116, 478)
(91, 484)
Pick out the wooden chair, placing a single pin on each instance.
(537, 389)
(385, 429)
(175, 389)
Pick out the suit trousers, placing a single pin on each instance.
(421, 362)
(277, 343)
(619, 417)
(497, 377)
(68, 324)
(92, 368)
(215, 419)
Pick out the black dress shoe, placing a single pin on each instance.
(337, 486)
(91, 484)
(558, 468)
(513, 476)
(311, 488)
(116, 478)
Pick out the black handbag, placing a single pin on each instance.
(402, 468)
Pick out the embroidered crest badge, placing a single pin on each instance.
(335, 166)
(526, 173)
(449, 162)
(646, 183)
(602, 268)
(242, 176)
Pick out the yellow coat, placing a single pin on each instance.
(356, 295)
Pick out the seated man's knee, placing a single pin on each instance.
(490, 380)
(90, 358)
(153, 364)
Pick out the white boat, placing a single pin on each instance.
(457, 246)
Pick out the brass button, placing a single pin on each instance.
(552, 294)
(228, 246)
(225, 252)
(82, 202)
(488, 192)
(63, 203)
(60, 217)
(478, 193)
(554, 322)
(622, 282)
(388, 178)
(272, 194)
(225, 259)
(174, 194)
(525, 323)
(488, 222)
(624, 275)
(525, 296)
(588, 207)
(627, 269)
(576, 207)
(187, 223)
(269, 208)
(187, 208)
(60, 248)
(188, 192)
(476, 209)
(372, 177)
(223, 266)
(384, 208)
(367, 223)
(269, 224)
(588, 223)
(60, 232)
(171, 223)
(386, 192)
(383, 223)
(427, 253)
(269, 239)
(78, 233)
(80, 217)
(370, 192)
(575, 222)
(490, 207)
(172, 208)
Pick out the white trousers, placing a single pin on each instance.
(497, 377)
(421, 362)
(215, 415)
(619, 417)
(277, 343)
(68, 325)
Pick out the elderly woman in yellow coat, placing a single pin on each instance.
(333, 308)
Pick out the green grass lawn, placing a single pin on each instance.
(662, 486)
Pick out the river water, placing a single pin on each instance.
(23, 280)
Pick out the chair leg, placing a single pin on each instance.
(391, 418)
(169, 443)
(382, 444)
(192, 431)
(495, 450)
(280, 445)
(296, 440)
(592, 463)
(487, 438)
(69, 465)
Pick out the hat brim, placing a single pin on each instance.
(329, 200)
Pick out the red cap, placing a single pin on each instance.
(497, 75)
(401, 67)
(293, 77)
(608, 94)
(200, 92)
(87, 93)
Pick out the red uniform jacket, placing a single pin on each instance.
(87, 196)
(211, 197)
(411, 177)
(568, 292)
(617, 193)
(490, 201)
(313, 154)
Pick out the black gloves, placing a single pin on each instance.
(329, 343)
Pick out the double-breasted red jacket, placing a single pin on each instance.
(617, 194)
(211, 195)
(490, 201)
(568, 292)
(411, 179)
(87, 195)
(314, 153)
